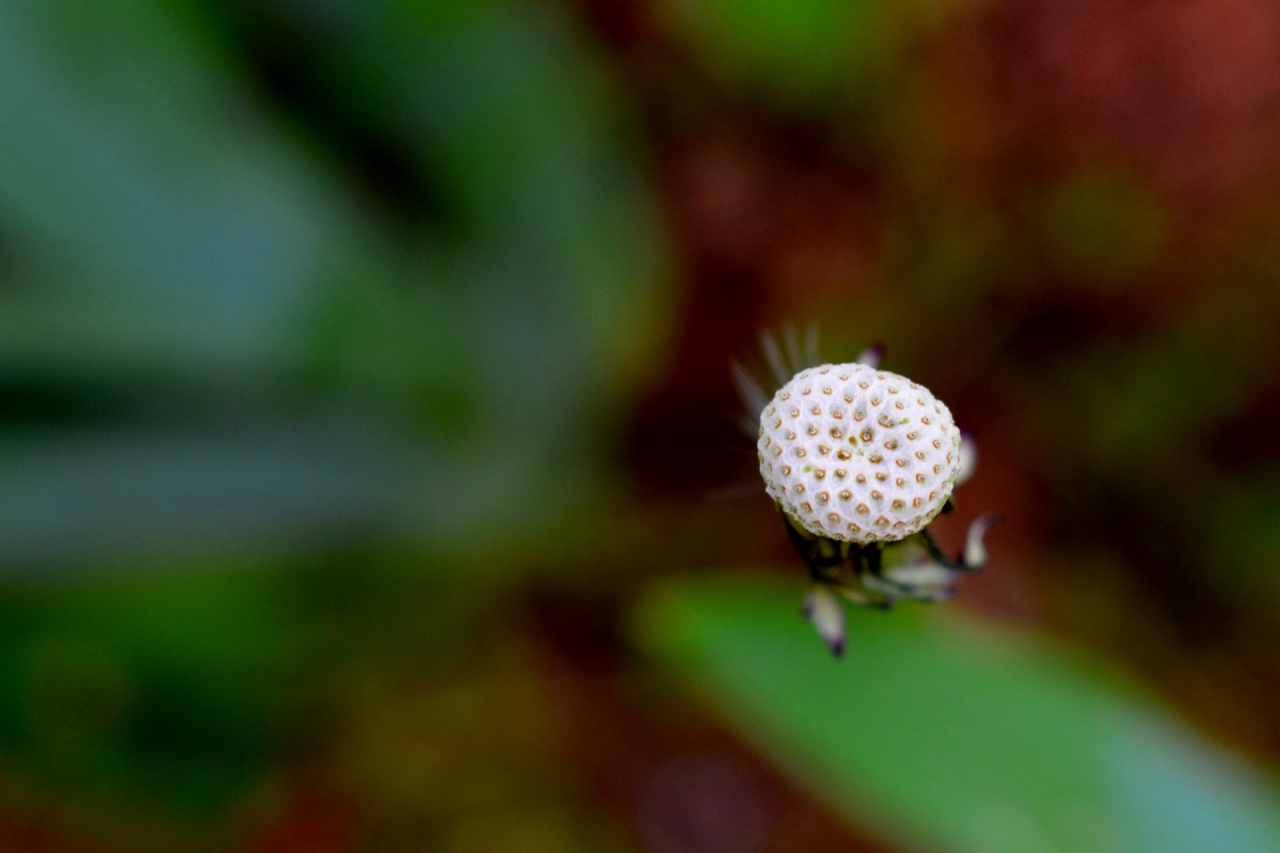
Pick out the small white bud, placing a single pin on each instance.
(858, 454)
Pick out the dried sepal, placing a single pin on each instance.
(825, 612)
(919, 580)
(975, 550)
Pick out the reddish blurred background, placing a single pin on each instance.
(1060, 216)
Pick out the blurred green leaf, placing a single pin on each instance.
(172, 694)
(802, 49)
(947, 735)
(164, 219)
(94, 493)
(163, 693)
(161, 226)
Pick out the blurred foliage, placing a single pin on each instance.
(362, 363)
(224, 337)
(806, 51)
(196, 260)
(172, 689)
(953, 737)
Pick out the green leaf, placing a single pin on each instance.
(160, 696)
(161, 228)
(804, 50)
(945, 734)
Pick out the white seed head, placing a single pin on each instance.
(858, 454)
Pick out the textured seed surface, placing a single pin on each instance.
(892, 445)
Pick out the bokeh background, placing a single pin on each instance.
(370, 477)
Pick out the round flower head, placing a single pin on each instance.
(857, 454)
